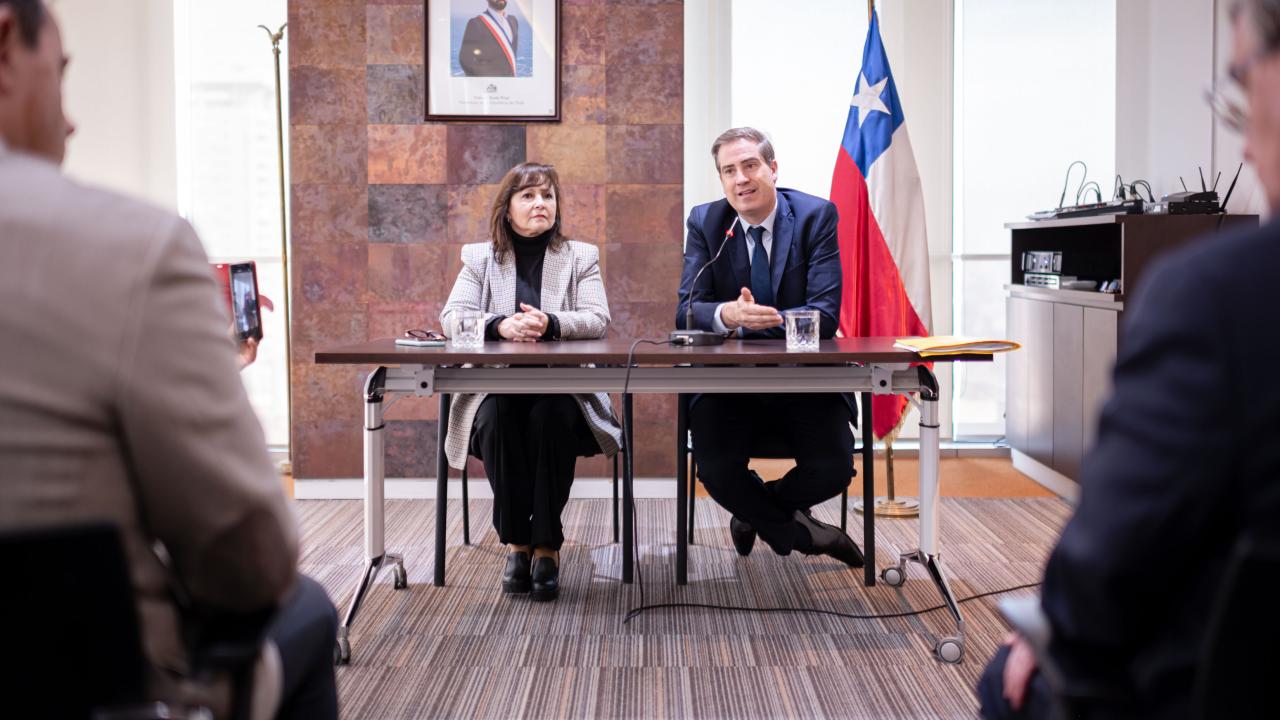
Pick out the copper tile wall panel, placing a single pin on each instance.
(480, 154)
(326, 96)
(644, 35)
(326, 34)
(645, 95)
(408, 213)
(649, 154)
(577, 151)
(329, 213)
(582, 212)
(582, 95)
(646, 214)
(410, 154)
(582, 33)
(468, 218)
(328, 154)
(395, 94)
(382, 202)
(394, 34)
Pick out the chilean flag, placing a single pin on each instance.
(882, 233)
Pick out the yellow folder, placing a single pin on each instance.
(955, 345)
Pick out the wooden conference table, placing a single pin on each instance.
(738, 366)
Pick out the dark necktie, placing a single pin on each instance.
(761, 285)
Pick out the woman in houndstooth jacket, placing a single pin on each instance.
(533, 285)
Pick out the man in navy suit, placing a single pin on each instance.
(1186, 463)
(779, 253)
(490, 42)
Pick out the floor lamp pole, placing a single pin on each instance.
(276, 37)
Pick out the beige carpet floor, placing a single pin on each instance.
(467, 651)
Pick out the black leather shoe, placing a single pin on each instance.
(515, 579)
(830, 541)
(546, 579)
(744, 536)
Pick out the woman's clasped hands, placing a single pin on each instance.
(525, 326)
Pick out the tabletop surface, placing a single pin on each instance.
(614, 352)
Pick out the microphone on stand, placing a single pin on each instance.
(689, 336)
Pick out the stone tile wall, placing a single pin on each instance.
(382, 202)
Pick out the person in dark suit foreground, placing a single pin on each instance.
(779, 253)
(120, 402)
(1186, 463)
(490, 42)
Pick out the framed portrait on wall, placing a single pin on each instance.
(492, 60)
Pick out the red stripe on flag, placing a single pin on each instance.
(874, 301)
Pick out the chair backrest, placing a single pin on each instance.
(71, 624)
(1239, 659)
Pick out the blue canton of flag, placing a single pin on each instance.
(874, 112)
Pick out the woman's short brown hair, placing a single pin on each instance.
(524, 175)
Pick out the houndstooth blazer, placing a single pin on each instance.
(571, 290)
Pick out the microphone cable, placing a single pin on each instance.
(629, 470)
(635, 612)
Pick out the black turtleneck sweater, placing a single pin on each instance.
(529, 253)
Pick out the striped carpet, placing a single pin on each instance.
(467, 651)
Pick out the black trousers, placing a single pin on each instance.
(304, 632)
(530, 445)
(813, 428)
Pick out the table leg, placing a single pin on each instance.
(950, 648)
(442, 487)
(628, 492)
(868, 492)
(376, 556)
(682, 491)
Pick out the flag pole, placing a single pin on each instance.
(287, 466)
(871, 10)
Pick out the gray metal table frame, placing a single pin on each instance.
(426, 380)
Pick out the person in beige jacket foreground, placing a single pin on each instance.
(119, 394)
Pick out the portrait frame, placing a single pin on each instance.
(480, 66)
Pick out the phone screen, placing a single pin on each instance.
(244, 302)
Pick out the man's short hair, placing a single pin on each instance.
(30, 15)
(743, 133)
(1263, 16)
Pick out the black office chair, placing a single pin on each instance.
(1239, 661)
(73, 638)
(777, 450)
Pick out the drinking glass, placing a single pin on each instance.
(468, 331)
(802, 330)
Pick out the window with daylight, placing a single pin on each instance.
(227, 163)
(1018, 124)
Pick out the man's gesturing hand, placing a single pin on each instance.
(746, 313)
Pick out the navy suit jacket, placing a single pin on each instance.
(804, 261)
(804, 264)
(1186, 463)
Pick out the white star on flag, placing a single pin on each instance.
(867, 98)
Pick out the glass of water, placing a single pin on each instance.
(468, 330)
(802, 330)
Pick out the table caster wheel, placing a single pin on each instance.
(342, 652)
(400, 576)
(950, 650)
(893, 576)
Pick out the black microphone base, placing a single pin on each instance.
(696, 337)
